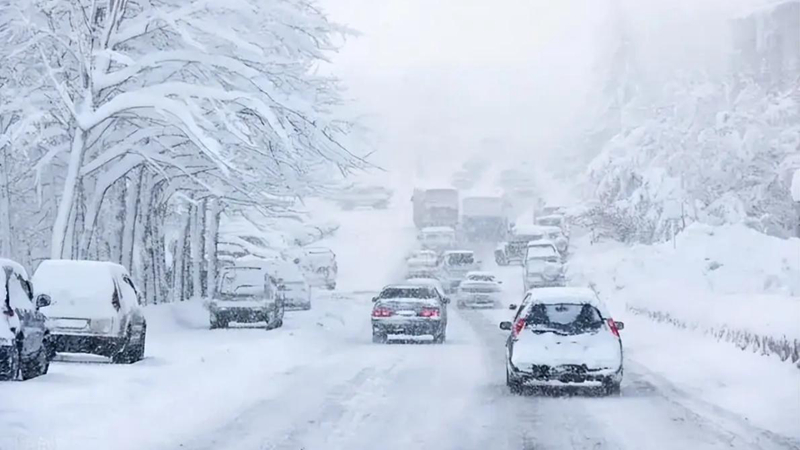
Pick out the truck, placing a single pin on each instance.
(484, 218)
(435, 207)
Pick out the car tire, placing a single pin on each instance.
(10, 367)
(331, 286)
(500, 260)
(612, 388)
(379, 338)
(307, 307)
(513, 384)
(440, 337)
(127, 353)
(37, 366)
(141, 346)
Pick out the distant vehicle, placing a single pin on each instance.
(294, 291)
(25, 341)
(422, 264)
(513, 250)
(429, 282)
(409, 309)
(542, 266)
(554, 221)
(484, 218)
(376, 197)
(96, 308)
(454, 266)
(479, 290)
(247, 293)
(563, 337)
(437, 239)
(435, 207)
(318, 265)
(556, 236)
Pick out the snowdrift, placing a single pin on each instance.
(731, 282)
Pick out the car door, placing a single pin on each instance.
(31, 320)
(131, 299)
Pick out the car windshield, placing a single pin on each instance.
(541, 252)
(481, 277)
(460, 259)
(421, 292)
(242, 282)
(569, 318)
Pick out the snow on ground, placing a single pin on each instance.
(319, 382)
(716, 278)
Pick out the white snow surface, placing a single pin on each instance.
(796, 186)
(320, 383)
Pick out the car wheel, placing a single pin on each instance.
(440, 337)
(125, 354)
(513, 384)
(141, 346)
(38, 365)
(10, 366)
(379, 338)
(612, 388)
(331, 286)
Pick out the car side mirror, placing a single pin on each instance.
(512, 306)
(446, 300)
(43, 300)
(505, 326)
(619, 325)
(374, 299)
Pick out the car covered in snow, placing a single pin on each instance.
(409, 309)
(25, 341)
(363, 196)
(554, 220)
(247, 292)
(479, 290)
(318, 264)
(437, 239)
(294, 291)
(513, 250)
(563, 337)
(556, 236)
(543, 265)
(95, 308)
(454, 266)
(421, 263)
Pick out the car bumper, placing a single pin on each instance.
(84, 343)
(242, 315)
(478, 302)
(565, 375)
(413, 327)
(296, 303)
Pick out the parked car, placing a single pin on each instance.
(376, 197)
(563, 337)
(409, 309)
(318, 265)
(479, 290)
(437, 239)
(95, 308)
(513, 250)
(543, 266)
(247, 293)
(554, 220)
(454, 266)
(295, 292)
(25, 341)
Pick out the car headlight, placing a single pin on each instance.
(101, 325)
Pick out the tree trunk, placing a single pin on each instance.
(5, 206)
(180, 254)
(196, 250)
(132, 204)
(212, 229)
(67, 202)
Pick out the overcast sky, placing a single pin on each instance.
(440, 80)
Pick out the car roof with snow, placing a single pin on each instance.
(478, 273)
(557, 217)
(17, 267)
(555, 295)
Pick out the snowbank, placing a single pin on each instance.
(715, 279)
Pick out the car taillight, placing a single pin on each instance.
(519, 326)
(613, 326)
(429, 312)
(382, 312)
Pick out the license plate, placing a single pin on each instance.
(406, 313)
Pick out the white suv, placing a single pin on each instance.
(563, 337)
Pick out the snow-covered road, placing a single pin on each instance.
(320, 383)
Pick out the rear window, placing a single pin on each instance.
(460, 259)
(566, 318)
(541, 252)
(243, 281)
(481, 278)
(408, 292)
